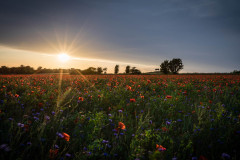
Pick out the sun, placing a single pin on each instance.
(63, 57)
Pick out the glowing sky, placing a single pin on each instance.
(205, 34)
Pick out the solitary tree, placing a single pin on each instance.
(127, 69)
(175, 65)
(116, 70)
(164, 67)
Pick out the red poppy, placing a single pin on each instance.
(53, 153)
(168, 97)
(80, 98)
(202, 158)
(66, 136)
(164, 129)
(121, 125)
(132, 100)
(40, 104)
(160, 147)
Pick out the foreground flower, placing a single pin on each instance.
(202, 158)
(80, 98)
(53, 153)
(226, 156)
(160, 148)
(132, 100)
(168, 97)
(66, 136)
(121, 125)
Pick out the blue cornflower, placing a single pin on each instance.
(105, 154)
(150, 121)
(36, 118)
(168, 122)
(225, 155)
(59, 135)
(68, 155)
(179, 120)
(104, 141)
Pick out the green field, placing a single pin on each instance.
(120, 117)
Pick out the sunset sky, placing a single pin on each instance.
(205, 34)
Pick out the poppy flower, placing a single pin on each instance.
(160, 147)
(53, 153)
(168, 97)
(66, 136)
(121, 125)
(132, 100)
(202, 158)
(129, 88)
(80, 98)
(40, 104)
(164, 129)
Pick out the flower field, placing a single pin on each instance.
(120, 117)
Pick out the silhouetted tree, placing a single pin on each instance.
(90, 70)
(164, 67)
(99, 70)
(133, 70)
(105, 70)
(4, 70)
(116, 70)
(175, 65)
(236, 72)
(127, 70)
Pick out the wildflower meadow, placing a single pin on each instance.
(158, 117)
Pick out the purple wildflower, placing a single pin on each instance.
(60, 135)
(226, 156)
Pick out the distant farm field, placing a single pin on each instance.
(120, 117)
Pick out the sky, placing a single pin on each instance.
(205, 34)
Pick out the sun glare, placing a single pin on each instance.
(63, 57)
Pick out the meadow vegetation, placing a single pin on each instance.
(120, 117)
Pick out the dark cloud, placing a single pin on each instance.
(198, 31)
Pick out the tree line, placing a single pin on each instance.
(89, 71)
(173, 66)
